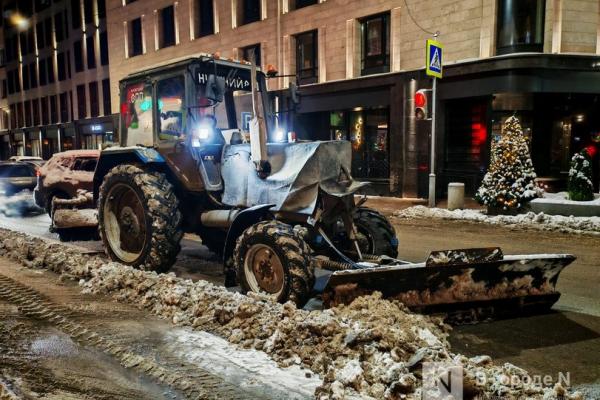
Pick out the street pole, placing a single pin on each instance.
(432, 151)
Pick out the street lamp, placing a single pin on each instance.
(19, 21)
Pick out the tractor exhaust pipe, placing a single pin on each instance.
(218, 218)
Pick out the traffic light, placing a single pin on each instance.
(421, 104)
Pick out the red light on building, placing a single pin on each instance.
(591, 150)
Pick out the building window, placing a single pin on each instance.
(53, 110)
(59, 27)
(27, 113)
(88, 11)
(23, 43)
(106, 97)
(39, 33)
(81, 102)
(33, 75)
(375, 51)
(48, 31)
(302, 3)
(68, 61)
(41, 5)
(64, 107)
(75, 14)
(78, 55)
(50, 69)
(44, 105)
(166, 33)
(20, 118)
(103, 48)
(520, 26)
(60, 63)
(205, 18)
(4, 89)
(91, 51)
(35, 105)
(13, 115)
(250, 11)
(248, 51)
(94, 104)
(135, 37)
(42, 68)
(101, 4)
(10, 84)
(25, 74)
(307, 57)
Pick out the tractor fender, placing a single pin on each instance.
(242, 221)
(113, 156)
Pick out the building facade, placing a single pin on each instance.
(358, 65)
(55, 78)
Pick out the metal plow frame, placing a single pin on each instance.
(488, 283)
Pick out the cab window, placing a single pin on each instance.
(136, 114)
(171, 107)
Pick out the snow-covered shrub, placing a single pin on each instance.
(581, 187)
(510, 180)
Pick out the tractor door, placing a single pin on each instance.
(171, 127)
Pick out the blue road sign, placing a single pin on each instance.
(246, 117)
(433, 65)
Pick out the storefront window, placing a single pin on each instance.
(467, 142)
(520, 26)
(368, 132)
(92, 142)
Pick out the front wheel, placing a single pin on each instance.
(375, 233)
(270, 258)
(139, 218)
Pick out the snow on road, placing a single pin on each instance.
(246, 368)
(541, 221)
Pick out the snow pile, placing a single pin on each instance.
(563, 198)
(372, 348)
(541, 221)
(18, 204)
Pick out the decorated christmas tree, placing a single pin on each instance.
(510, 180)
(580, 177)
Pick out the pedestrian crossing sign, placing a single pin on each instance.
(433, 65)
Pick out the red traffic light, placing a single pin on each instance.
(420, 99)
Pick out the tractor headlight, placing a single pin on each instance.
(200, 134)
(279, 135)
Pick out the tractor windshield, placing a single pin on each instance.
(235, 110)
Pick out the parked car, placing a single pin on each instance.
(63, 175)
(16, 177)
(25, 158)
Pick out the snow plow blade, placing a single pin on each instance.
(478, 281)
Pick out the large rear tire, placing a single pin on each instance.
(379, 235)
(139, 218)
(270, 258)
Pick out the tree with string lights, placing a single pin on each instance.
(510, 180)
(580, 184)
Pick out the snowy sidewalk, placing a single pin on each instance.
(541, 221)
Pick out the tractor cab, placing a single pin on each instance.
(188, 110)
